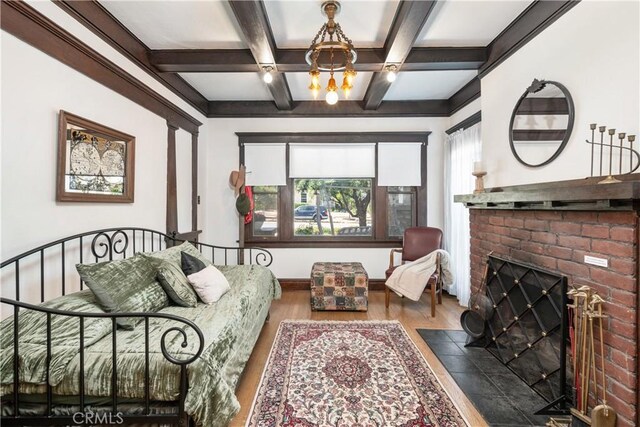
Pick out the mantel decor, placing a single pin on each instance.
(541, 123)
(612, 148)
(340, 55)
(95, 163)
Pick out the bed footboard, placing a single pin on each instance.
(180, 326)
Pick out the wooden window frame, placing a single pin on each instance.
(285, 237)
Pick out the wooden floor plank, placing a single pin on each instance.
(412, 315)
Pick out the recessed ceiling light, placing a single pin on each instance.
(392, 73)
(267, 77)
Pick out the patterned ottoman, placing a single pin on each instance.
(339, 286)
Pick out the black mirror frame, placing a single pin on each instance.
(536, 86)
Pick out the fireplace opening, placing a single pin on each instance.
(528, 331)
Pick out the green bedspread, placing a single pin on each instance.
(230, 327)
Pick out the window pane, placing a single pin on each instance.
(345, 207)
(400, 189)
(265, 212)
(399, 213)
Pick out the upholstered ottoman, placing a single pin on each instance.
(339, 286)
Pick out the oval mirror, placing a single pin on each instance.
(541, 123)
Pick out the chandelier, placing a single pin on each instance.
(331, 50)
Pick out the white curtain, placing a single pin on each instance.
(462, 149)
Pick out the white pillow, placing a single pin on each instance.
(209, 283)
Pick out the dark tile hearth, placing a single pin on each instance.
(496, 392)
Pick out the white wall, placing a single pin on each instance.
(34, 88)
(594, 50)
(221, 150)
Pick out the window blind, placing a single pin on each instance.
(332, 160)
(399, 164)
(266, 164)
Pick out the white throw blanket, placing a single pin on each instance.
(410, 279)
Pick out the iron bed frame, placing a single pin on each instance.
(107, 245)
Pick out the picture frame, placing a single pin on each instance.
(95, 163)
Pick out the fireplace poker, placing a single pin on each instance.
(602, 415)
(581, 296)
(572, 331)
(591, 359)
(583, 352)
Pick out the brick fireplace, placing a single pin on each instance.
(553, 227)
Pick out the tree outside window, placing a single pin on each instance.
(335, 207)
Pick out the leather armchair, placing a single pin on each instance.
(418, 242)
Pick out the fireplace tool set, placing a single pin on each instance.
(585, 310)
(608, 150)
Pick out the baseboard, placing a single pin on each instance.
(303, 284)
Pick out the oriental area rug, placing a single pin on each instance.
(362, 373)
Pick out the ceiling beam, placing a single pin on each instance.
(203, 60)
(428, 108)
(292, 60)
(252, 18)
(407, 25)
(445, 58)
(467, 94)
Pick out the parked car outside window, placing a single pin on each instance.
(309, 212)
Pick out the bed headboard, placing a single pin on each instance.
(48, 271)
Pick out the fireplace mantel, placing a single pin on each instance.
(580, 195)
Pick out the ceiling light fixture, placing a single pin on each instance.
(336, 42)
(392, 72)
(267, 77)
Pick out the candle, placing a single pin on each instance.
(478, 166)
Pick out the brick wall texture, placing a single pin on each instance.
(558, 241)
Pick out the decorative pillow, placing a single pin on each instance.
(173, 254)
(210, 284)
(190, 264)
(126, 285)
(174, 282)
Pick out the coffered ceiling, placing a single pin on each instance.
(468, 23)
(215, 47)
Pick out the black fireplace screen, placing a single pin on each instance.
(528, 331)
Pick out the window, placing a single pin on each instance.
(338, 207)
(400, 210)
(339, 189)
(265, 212)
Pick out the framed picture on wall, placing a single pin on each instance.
(95, 163)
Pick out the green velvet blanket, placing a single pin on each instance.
(231, 327)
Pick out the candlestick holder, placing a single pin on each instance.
(620, 150)
(479, 181)
(610, 179)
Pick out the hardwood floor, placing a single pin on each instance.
(412, 315)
